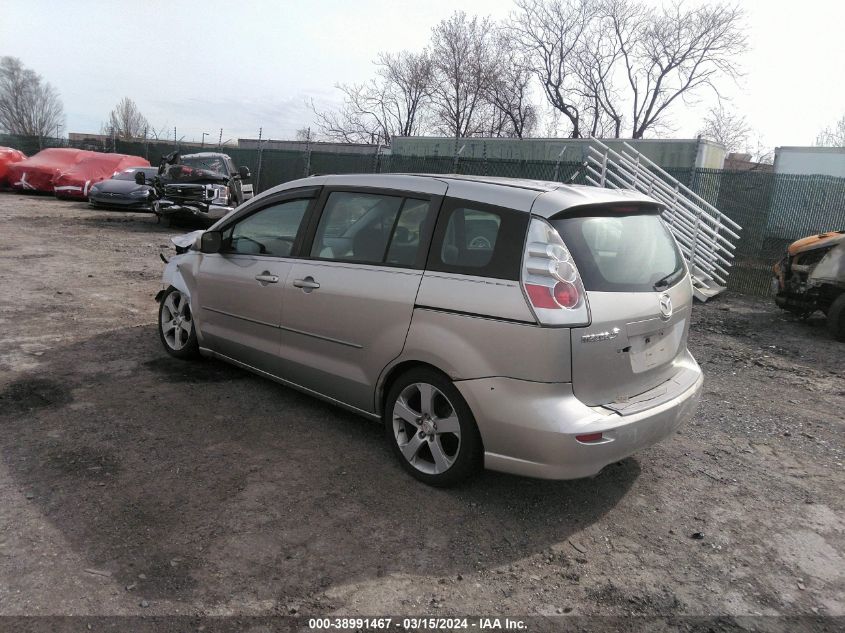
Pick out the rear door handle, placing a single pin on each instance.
(308, 284)
(267, 278)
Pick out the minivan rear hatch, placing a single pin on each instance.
(639, 298)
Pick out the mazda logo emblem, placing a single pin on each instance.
(665, 307)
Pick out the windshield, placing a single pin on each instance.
(213, 163)
(622, 253)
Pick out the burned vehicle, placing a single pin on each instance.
(201, 188)
(812, 277)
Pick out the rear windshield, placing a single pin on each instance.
(622, 253)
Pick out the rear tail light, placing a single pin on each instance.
(550, 278)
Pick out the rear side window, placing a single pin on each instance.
(622, 253)
(477, 239)
(372, 228)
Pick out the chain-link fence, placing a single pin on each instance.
(773, 209)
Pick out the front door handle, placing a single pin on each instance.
(267, 278)
(308, 284)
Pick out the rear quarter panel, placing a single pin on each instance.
(467, 347)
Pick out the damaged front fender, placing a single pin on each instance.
(172, 275)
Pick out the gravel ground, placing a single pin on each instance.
(132, 483)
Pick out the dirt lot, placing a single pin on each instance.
(131, 483)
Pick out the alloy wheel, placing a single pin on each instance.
(176, 321)
(426, 428)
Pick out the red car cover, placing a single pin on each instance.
(76, 180)
(36, 173)
(7, 157)
(73, 169)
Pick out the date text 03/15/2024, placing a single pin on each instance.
(417, 624)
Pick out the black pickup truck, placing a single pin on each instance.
(204, 186)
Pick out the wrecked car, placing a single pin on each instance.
(811, 277)
(545, 338)
(239, 187)
(188, 192)
(122, 192)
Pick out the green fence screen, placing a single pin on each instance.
(773, 209)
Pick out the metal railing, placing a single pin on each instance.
(704, 234)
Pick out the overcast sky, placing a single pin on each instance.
(243, 64)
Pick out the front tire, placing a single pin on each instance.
(836, 318)
(176, 327)
(431, 429)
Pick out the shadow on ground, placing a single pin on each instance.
(201, 481)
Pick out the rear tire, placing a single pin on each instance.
(836, 318)
(431, 429)
(176, 327)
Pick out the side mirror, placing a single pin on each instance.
(140, 178)
(244, 172)
(211, 241)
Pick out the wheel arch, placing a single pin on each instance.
(392, 373)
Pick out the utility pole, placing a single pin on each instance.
(220, 140)
(257, 175)
(307, 153)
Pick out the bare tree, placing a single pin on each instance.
(356, 120)
(164, 132)
(126, 121)
(596, 64)
(392, 104)
(670, 54)
(28, 105)
(832, 136)
(726, 127)
(409, 78)
(509, 92)
(550, 33)
(463, 64)
(760, 151)
(304, 134)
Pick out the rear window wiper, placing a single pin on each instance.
(665, 282)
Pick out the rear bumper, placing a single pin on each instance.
(529, 428)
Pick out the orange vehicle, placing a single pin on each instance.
(812, 277)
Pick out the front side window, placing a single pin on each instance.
(271, 231)
(371, 228)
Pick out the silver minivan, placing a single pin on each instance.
(524, 326)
